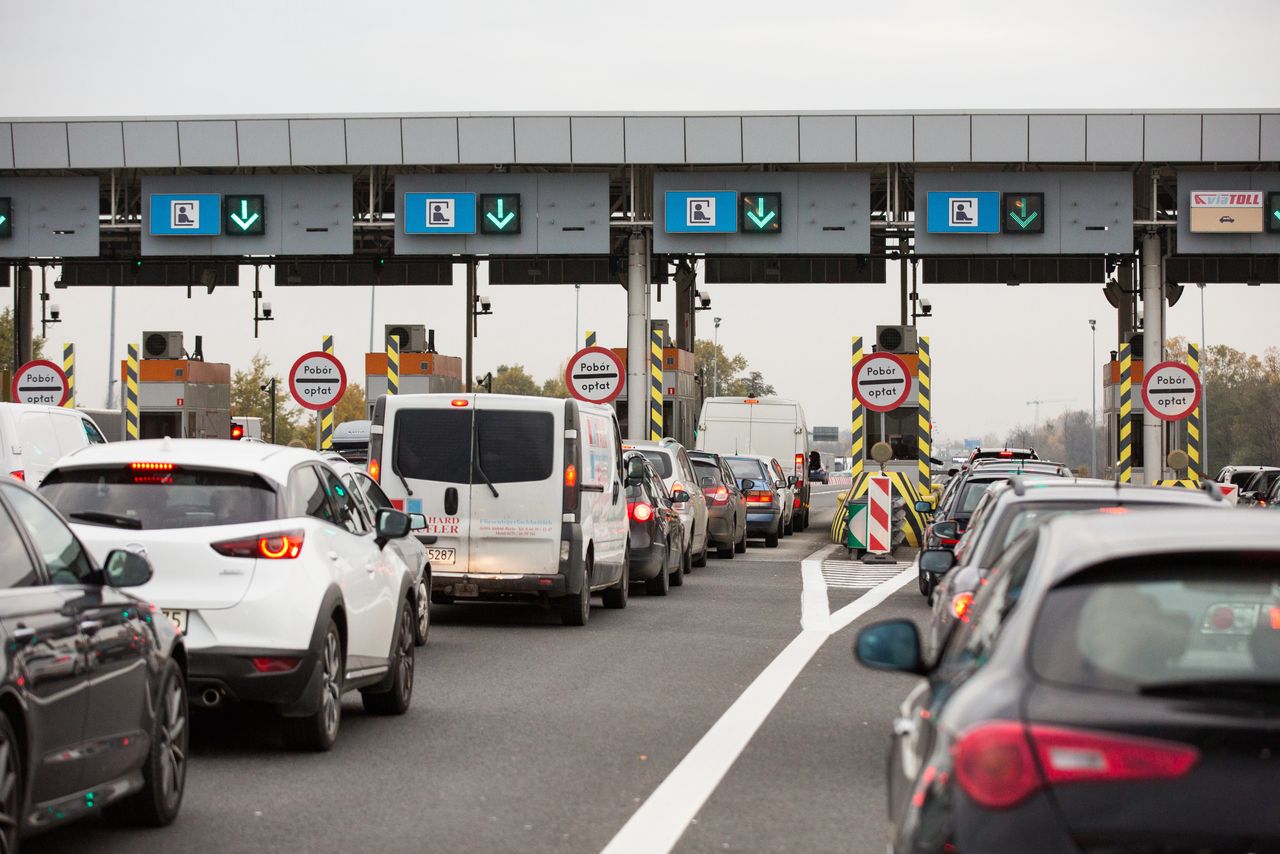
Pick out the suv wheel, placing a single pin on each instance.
(395, 700)
(11, 786)
(422, 603)
(660, 583)
(701, 560)
(164, 775)
(576, 610)
(319, 731)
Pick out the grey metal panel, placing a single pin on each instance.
(771, 139)
(1270, 145)
(52, 217)
(713, 139)
(373, 142)
(317, 215)
(654, 139)
(984, 244)
(263, 142)
(40, 145)
(1230, 138)
(150, 144)
(430, 141)
(942, 138)
(6, 146)
(543, 139)
(1171, 138)
(828, 139)
(487, 140)
(833, 216)
(1094, 212)
(317, 142)
(999, 139)
(428, 244)
(1223, 244)
(524, 243)
(208, 144)
(573, 213)
(885, 139)
(1113, 138)
(597, 139)
(1059, 139)
(96, 145)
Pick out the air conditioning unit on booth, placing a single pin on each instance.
(896, 339)
(162, 345)
(413, 337)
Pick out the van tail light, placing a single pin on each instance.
(570, 476)
(375, 470)
(797, 504)
(640, 511)
(1001, 763)
(717, 496)
(799, 462)
(961, 605)
(283, 545)
(572, 462)
(18, 474)
(759, 496)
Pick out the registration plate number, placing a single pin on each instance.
(465, 589)
(441, 556)
(177, 617)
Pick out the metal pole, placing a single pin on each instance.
(1152, 347)
(373, 304)
(471, 321)
(577, 313)
(273, 410)
(715, 362)
(1204, 392)
(637, 338)
(111, 344)
(1093, 412)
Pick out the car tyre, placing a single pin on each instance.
(677, 577)
(660, 584)
(396, 698)
(422, 604)
(789, 528)
(726, 552)
(701, 560)
(319, 731)
(771, 539)
(12, 786)
(741, 545)
(576, 610)
(164, 774)
(616, 597)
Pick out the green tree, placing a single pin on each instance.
(352, 405)
(514, 379)
(713, 364)
(6, 339)
(752, 385)
(554, 385)
(251, 397)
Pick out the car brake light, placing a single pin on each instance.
(274, 665)
(1114, 511)
(1006, 454)
(760, 496)
(797, 504)
(997, 768)
(458, 402)
(750, 401)
(237, 432)
(640, 512)
(961, 604)
(947, 541)
(152, 466)
(375, 471)
(717, 495)
(1275, 618)
(285, 545)
(570, 476)
(18, 474)
(799, 461)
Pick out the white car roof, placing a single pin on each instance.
(273, 462)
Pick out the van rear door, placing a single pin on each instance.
(430, 462)
(516, 487)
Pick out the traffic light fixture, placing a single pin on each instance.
(1272, 212)
(6, 217)
(500, 213)
(760, 213)
(1022, 213)
(243, 215)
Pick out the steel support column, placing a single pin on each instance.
(468, 369)
(637, 338)
(1152, 350)
(22, 318)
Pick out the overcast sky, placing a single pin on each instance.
(995, 348)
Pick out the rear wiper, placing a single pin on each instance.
(1235, 689)
(480, 468)
(114, 519)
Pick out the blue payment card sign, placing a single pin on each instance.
(964, 212)
(713, 212)
(185, 215)
(439, 213)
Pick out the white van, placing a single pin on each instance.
(33, 437)
(772, 426)
(524, 495)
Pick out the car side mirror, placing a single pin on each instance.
(924, 507)
(124, 568)
(890, 645)
(748, 484)
(937, 561)
(417, 522)
(392, 525)
(635, 471)
(679, 497)
(792, 480)
(947, 530)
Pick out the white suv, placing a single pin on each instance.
(285, 592)
(676, 469)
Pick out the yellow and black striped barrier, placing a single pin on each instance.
(591, 338)
(131, 428)
(393, 364)
(1184, 483)
(69, 368)
(904, 486)
(1126, 413)
(857, 418)
(326, 414)
(655, 384)
(924, 393)
(1195, 442)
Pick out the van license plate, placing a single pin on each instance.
(441, 556)
(178, 618)
(464, 589)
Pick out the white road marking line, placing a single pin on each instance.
(815, 610)
(662, 819)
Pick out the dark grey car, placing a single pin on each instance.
(726, 505)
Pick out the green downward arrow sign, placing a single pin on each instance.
(759, 217)
(501, 220)
(244, 219)
(3, 219)
(1023, 220)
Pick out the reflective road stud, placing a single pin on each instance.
(326, 415)
(393, 364)
(879, 513)
(1126, 414)
(131, 430)
(69, 368)
(924, 377)
(1195, 443)
(655, 383)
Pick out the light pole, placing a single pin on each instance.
(1204, 394)
(715, 360)
(1093, 413)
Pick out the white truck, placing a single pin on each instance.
(773, 426)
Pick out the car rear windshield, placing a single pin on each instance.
(710, 470)
(122, 497)
(973, 492)
(435, 444)
(1028, 516)
(745, 469)
(1164, 621)
(660, 461)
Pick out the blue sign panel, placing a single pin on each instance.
(186, 215)
(439, 213)
(962, 212)
(714, 212)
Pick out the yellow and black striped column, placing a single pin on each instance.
(393, 364)
(131, 429)
(1195, 441)
(655, 383)
(924, 415)
(591, 338)
(326, 414)
(69, 368)
(858, 419)
(1125, 465)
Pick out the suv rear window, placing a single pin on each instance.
(710, 470)
(117, 496)
(745, 469)
(1161, 621)
(513, 446)
(660, 461)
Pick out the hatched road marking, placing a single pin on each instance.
(855, 575)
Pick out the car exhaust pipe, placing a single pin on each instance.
(211, 697)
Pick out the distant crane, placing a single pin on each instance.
(1036, 403)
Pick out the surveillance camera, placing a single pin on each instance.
(266, 310)
(54, 311)
(926, 307)
(704, 299)
(485, 304)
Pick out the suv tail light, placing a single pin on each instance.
(718, 495)
(283, 545)
(759, 496)
(18, 474)
(961, 604)
(1001, 763)
(640, 511)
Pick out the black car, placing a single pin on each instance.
(658, 556)
(726, 505)
(93, 698)
(1115, 690)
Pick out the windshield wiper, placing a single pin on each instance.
(114, 519)
(480, 468)
(1235, 689)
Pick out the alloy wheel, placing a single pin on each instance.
(331, 699)
(173, 743)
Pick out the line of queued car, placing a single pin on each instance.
(1100, 671)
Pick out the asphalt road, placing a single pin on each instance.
(527, 736)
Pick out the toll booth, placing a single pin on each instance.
(182, 398)
(681, 396)
(1174, 432)
(420, 373)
